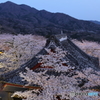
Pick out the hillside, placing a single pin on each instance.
(22, 19)
(96, 22)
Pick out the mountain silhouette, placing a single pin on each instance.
(23, 19)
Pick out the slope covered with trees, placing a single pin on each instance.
(22, 19)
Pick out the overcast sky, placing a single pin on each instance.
(80, 9)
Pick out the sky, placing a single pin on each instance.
(80, 9)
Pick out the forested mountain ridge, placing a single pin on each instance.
(22, 19)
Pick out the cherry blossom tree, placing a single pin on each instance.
(91, 48)
(55, 60)
(18, 49)
(54, 87)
